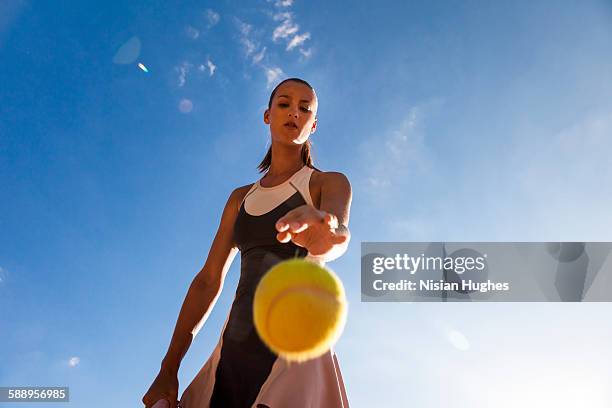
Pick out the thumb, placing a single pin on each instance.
(340, 239)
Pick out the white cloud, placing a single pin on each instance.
(245, 29)
(182, 71)
(273, 74)
(306, 53)
(211, 67)
(397, 173)
(74, 361)
(378, 182)
(249, 46)
(286, 28)
(212, 17)
(185, 105)
(285, 15)
(252, 48)
(192, 32)
(289, 30)
(297, 40)
(399, 153)
(2, 275)
(259, 56)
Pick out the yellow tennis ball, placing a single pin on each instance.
(299, 309)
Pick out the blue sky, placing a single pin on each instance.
(454, 121)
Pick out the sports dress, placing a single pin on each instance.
(241, 371)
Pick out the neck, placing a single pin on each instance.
(285, 160)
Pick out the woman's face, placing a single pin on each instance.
(292, 114)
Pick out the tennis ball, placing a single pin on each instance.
(299, 309)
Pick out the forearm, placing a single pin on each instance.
(196, 307)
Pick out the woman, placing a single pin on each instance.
(295, 210)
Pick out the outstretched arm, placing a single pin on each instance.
(324, 232)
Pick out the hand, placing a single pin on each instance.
(165, 386)
(310, 228)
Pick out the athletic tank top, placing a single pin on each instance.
(261, 208)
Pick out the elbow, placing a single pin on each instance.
(207, 281)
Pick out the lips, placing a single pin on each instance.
(291, 125)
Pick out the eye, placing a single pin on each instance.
(304, 109)
(283, 104)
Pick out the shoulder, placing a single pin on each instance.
(238, 194)
(332, 180)
(242, 190)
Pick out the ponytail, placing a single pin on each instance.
(307, 158)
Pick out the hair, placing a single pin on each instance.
(306, 147)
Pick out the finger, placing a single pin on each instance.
(289, 224)
(339, 239)
(298, 239)
(282, 226)
(297, 227)
(302, 214)
(283, 222)
(283, 237)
